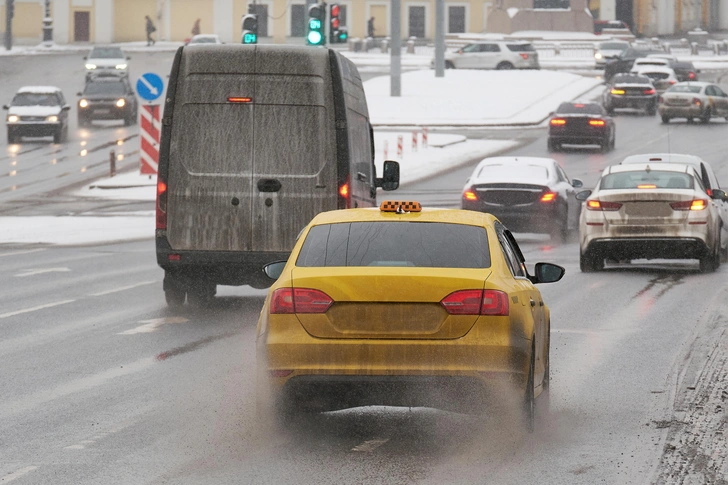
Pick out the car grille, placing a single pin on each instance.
(32, 118)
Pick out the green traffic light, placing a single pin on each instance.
(343, 36)
(314, 24)
(250, 38)
(314, 37)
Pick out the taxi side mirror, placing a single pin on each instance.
(583, 195)
(390, 179)
(548, 273)
(273, 270)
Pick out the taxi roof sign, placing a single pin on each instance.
(400, 206)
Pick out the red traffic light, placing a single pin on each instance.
(334, 23)
(335, 10)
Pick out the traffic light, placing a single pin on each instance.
(337, 33)
(250, 26)
(10, 9)
(316, 34)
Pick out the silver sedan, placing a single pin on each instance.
(693, 100)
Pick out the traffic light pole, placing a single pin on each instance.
(439, 38)
(395, 64)
(9, 12)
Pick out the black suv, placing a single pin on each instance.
(630, 91)
(107, 98)
(625, 60)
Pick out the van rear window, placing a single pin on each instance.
(413, 244)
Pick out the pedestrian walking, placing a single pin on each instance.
(196, 28)
(370, 27)
(150, 30)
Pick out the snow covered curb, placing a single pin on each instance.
(473, 98)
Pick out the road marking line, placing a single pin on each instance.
(153, 324)
(15, 253)
(33, 272)
(35, 308)
(18, 474)
(74, 447)
(123, 288)
(370, 445)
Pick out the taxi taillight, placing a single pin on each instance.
(477, 302)
(600, 205)
(299, 300)
(690, 205)
(161, 204)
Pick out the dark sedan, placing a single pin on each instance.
(581, 124)
(630, 91)
(625, 60)
(527, 194)
(685, 71)
(107, 98)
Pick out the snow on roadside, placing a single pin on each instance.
(472, 97)
(76, 230)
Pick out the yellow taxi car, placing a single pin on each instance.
(403, 306)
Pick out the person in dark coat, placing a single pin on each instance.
(150, 30)
(370, 27)
(196, 28)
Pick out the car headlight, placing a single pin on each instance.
(121, 66)
(120, 103)
(52, 119)
(13, 119)
(83, 103)
(90, 66)
(598, 55)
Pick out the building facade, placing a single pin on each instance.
(280, 21)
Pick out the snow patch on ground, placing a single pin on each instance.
(77, 230)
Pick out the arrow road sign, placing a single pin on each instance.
(150, 86)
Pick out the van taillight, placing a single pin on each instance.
(477, 302)
(161, 204)
(299, 300)
(524, 55)
(345, 195)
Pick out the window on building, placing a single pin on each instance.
(551, 4)
(417, 22)
(298, 20)
(456, 20)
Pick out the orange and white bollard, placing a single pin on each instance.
(386, 149)
(400, 146)
(424, 137)
(414, 141)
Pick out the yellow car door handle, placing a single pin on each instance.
(533, 303)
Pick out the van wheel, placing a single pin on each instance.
(175, 297)
(201, 295)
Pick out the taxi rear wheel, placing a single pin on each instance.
(529, 402)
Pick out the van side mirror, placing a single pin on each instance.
(390, 179)
(273, 270)
(583, 195)
(548, 273)
(577, 183)
(5, 106)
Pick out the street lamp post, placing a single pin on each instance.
(47, 25)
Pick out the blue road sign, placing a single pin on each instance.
(150, 86)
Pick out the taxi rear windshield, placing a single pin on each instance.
(413, 244)
(652, 179)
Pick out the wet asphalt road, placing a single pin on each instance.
(102, 384)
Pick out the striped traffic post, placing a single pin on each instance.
(424, 137)
(400, 147)
(149, 136)
(414, 141)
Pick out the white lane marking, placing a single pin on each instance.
(35, 308)
(123, 288)
(74, 447)
(33, 272)
(153, 324)
(370, 445)
(16, 253)
(28, 403)
(17, 474)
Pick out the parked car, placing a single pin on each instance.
(600, 25)
(404, 306)
(576, 123)
(37, 111)
(609, 50)
(107, 59)
(492, 55)
(685, 71)
(630, 91)
(623, 62)
(662, 77)
(693, 100)
(707, 178)
(527, 194)
(107, 98)
(204, 39)
(649, 211)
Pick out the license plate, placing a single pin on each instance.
(102, 111)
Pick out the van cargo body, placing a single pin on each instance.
(256, 140)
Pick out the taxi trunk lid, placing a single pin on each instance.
(647, 207)
(388, 303)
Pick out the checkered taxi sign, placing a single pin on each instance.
(400, 206)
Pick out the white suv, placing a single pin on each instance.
(492, 55)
